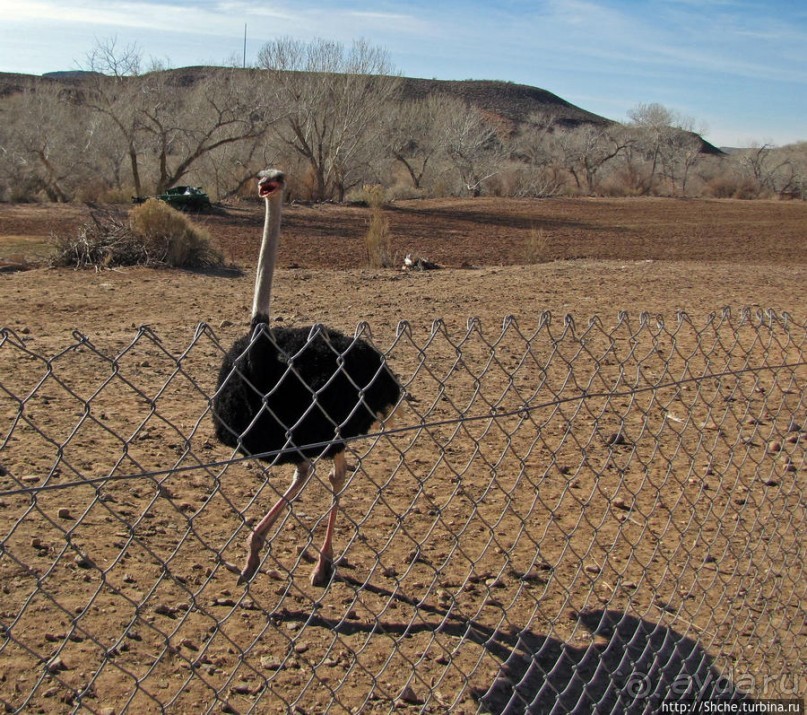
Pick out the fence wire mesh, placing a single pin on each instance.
(566, 518)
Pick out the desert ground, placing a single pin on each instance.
(497, 542)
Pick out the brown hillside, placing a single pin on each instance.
(514, 102)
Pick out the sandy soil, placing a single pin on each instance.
(479, 551)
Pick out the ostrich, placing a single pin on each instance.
(302, 390)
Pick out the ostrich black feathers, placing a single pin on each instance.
(293, 389)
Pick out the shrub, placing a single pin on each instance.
(536, 246)
(153, 234)
(378, 240)
(372, 195)
(171, 238)
(729, 186)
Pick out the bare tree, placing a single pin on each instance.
(588, 149)
(112, 94)
(107, 58)
(45, 142)
(412, 134)
(220, 109)
(472, 145)
(332, 100)
(668, 142)
(167, 119)
(770, 168)
(537, 163)
(681, 151)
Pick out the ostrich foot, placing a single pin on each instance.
(323, 572)
(249, 570)
(253, 560)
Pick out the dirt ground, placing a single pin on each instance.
(490, 554)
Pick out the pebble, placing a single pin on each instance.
(224, 601)
(82, 561)
(269, 663)
(55, 665)
(409, 697)
(592, 568)
(64, 513)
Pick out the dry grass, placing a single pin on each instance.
(536, 246)
(378, 239)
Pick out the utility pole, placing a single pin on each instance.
(245, 45)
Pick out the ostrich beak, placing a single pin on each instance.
(271, 184)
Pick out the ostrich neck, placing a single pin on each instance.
(266, 259)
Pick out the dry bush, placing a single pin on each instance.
(153, 234)
(378, 240)
(536, 246)
(371, 195)
(102, 194)
(171, 238)
(625, 181)
(730, 186)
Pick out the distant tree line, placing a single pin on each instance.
(334, 117)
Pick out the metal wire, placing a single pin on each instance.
(562, 518)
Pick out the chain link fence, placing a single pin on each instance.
(562, 518)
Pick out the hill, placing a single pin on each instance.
(506, 100)
(511, 104)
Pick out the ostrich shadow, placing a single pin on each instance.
(632, 666)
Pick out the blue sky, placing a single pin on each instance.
(738, 68)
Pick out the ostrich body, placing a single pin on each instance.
(300, 390)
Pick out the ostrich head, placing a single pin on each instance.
(270, 182)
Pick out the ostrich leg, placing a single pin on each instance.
(323, 571)
(258, 536)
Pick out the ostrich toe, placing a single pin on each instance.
(249, 570)
(323, 572)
